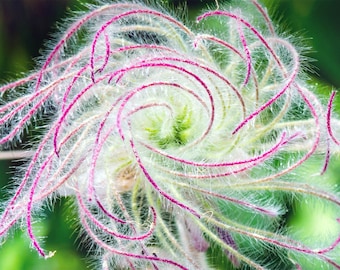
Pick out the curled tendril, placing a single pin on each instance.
(165, 137)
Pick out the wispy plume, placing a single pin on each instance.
(173, 142)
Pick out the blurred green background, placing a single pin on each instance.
(26, 25)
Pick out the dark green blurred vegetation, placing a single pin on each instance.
(25, 26)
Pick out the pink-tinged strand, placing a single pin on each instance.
(98, 145)
(243, 203)
(206, 68)
(29, 208)
(28, 100)
(10, 207)
(96, 151)
(44, 193)
(67, 111)
(265, 43)
(265, 16)
(125, 14)
(262, 156)
(24, 120)
(69, 87)
(108, 214)
(247, 24)
(130, 95)
(127, 216)
(27, 174)
(329, 118)
(4, 229)
(19, 212)
(289, 83)
(156, 187)
(165, 105)
(262, 108)
(219, 41)
(67, 158)
(18, 83)
(23, 81)
(36, 180)
(10, 105)
(247, 53)
(327, 158)
(331, 262)
(145, 46)
(31, 200)
(30, 78)
(233, 172)
(107, 53)
(313, 111)
(144, 87)
(244, 169)
(79, 74)
(286, 243)
(71, 31)
(332, 246)
(181, 69)
(104, 228)
(123, 253)
(212, 176)
(303, 93)
(92, 194)
(137, 47)
(232, 48)
(304, 250)
(44, 94)
(147, 106)
(309, 190)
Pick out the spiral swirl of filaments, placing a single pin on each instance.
(162, 134)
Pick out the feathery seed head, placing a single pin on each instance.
(173, 142)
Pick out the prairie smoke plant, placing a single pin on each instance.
(175, 144)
